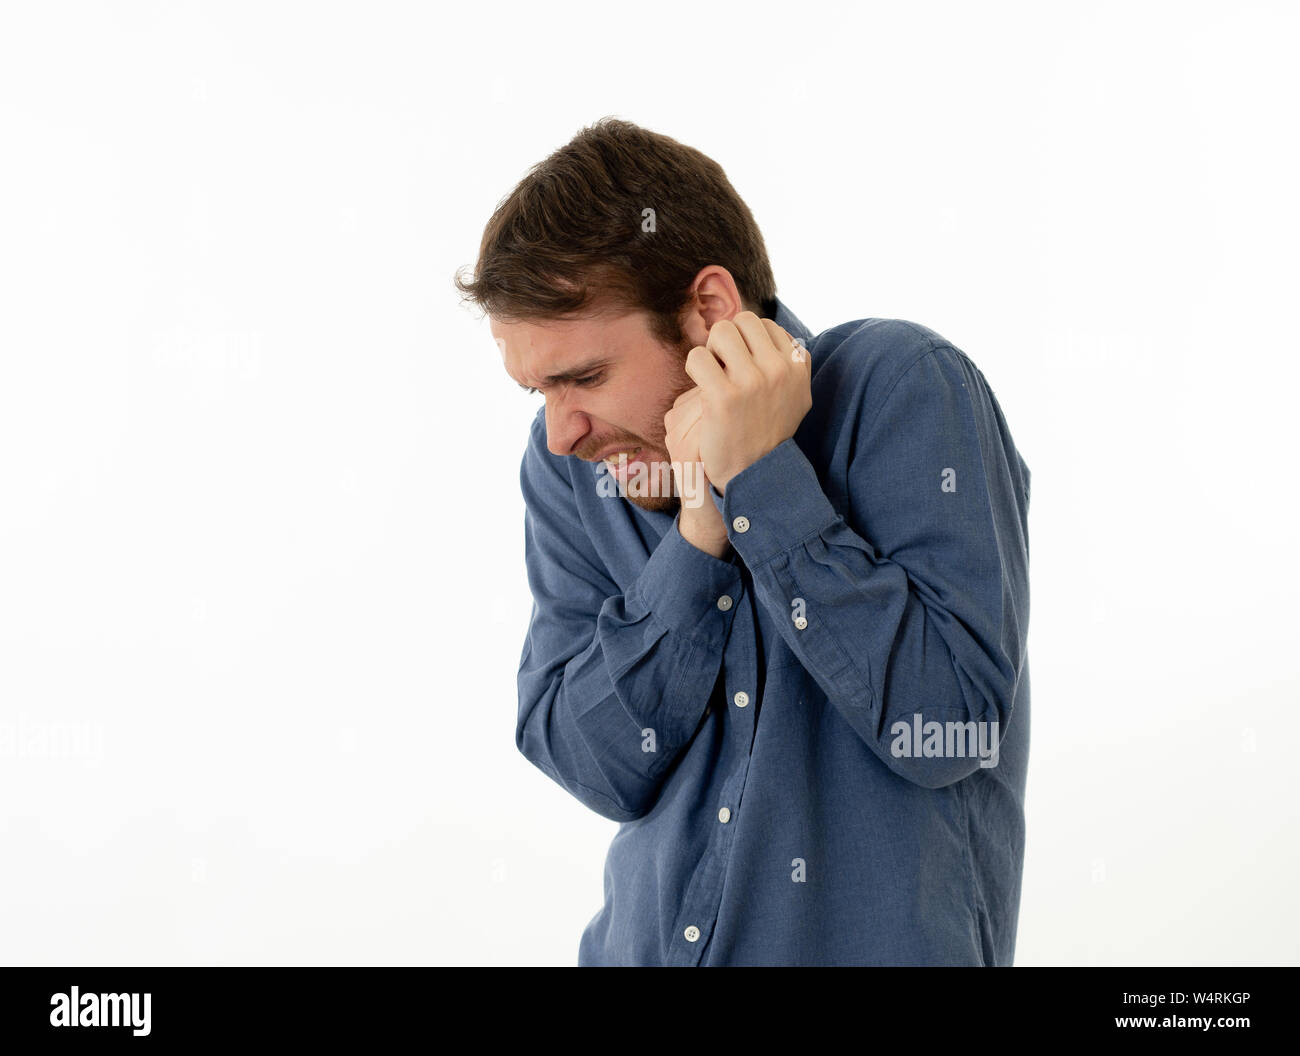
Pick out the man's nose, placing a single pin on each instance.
(566, 424)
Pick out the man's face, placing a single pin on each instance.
(608, 384)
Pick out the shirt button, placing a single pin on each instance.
(724, 602)
(741, 699)
(741, 524)
(724, 815)
(692, 933)
(800, 622)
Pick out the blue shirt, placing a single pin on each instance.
(799, 740)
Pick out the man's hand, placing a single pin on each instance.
(701, 525)
(751, 401)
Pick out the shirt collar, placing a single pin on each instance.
(787, 319)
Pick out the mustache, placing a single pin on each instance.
(590, 452)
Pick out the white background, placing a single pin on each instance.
(262, 588)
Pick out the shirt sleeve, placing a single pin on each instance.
(613, 684)
(911, 603)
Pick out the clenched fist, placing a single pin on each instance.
(751, 401)
(700, 522)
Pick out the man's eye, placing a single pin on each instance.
(589, 380)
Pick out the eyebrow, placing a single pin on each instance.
(569, 375)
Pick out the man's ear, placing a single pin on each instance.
(714, 297)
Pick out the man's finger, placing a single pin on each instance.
(680, 420)
(758, 336)
(727, 341)
(704, 368)
(786, 345)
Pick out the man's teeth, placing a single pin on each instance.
(615, 457)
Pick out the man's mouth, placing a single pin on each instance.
(623, 465)
(612, 459)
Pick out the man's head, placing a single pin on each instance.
(605, 265)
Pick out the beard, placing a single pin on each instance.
(654, 490)
(658, 490)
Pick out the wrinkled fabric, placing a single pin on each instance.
(770, 757)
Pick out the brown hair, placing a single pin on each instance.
(573, 235)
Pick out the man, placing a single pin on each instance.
(780, 583)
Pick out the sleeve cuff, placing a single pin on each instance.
(685, 588)
(774, 504)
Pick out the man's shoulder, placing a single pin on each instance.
(889, 340)
(871, 354)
